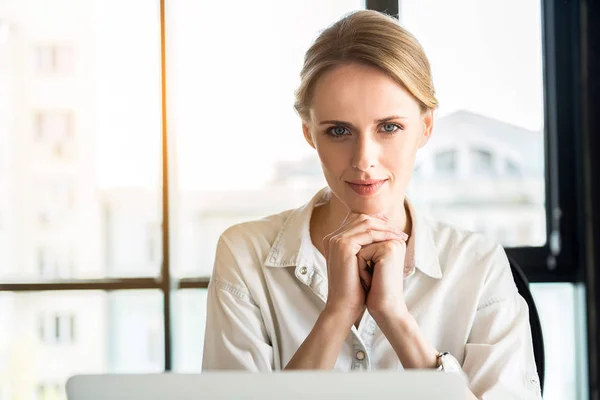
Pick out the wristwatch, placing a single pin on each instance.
(447, 363)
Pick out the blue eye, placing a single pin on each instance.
(390, 128)
(338, 131)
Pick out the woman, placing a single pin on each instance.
(357, 279)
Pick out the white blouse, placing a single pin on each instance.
(269, 286)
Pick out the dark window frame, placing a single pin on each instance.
(564, 186)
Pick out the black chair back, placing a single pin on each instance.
(534, 319)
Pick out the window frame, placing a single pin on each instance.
(565, 220)
(560, 259)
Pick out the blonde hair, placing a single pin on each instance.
(371, 38)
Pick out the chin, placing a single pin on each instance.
(365, 205)
(367, 209)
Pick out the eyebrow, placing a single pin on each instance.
(377, 121)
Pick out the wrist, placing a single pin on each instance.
(342, 317)
(397, 316)
(405, 336)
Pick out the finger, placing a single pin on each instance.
(373, 251)
(357, 223)
(386, 219)
(381, 216)
(350, 217)
(366, 223)
(361, 239)
(364, 273)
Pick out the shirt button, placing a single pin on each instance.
(360, 355)
(534, 380)
(303, 270)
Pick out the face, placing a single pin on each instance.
(366, 129)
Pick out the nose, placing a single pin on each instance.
(365, 153)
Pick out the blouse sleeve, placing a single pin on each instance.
(499, 360)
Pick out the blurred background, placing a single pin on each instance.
(107, 236)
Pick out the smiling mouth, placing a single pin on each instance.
(367, 187)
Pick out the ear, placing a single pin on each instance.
(307, 134)
(427, 128)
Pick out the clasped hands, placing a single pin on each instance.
(365, 267)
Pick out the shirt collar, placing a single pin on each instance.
(421, 251)
(293, 245)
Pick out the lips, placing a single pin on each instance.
(367, 187)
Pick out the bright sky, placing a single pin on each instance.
(232, 77)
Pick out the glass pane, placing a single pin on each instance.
(219, 94)
(190, 323)
(53, 336)
(483, 168)
(561, 307)
(79, 138)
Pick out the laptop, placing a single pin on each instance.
(294, 385)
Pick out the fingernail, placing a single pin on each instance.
(401, 234)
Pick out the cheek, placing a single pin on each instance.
(332, 160)
(397, 156)
(399, 159)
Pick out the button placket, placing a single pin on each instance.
(367, 332)
(360, 355)
(311, 278)
(303, 274)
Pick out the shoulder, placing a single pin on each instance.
(472, 259)
(241, 252)
(472, 251)
(450, 238)
(256, 232)
(253, 237)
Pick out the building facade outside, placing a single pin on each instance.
(49, 220)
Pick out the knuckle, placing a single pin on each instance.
(336, 242)
(343, 243)
(391, 245)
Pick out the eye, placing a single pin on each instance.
(390, 128)
(338, 131)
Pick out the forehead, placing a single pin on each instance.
(359, 91)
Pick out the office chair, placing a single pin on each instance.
(534, 319)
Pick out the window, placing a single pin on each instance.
(54, 59)
(42, 261)
(482, 162)
(49, 391)
(55, 131)
(446, 162)
(490, 84)
(281, 171)
(512, 168)
(57, 328)
(54, 126)
(55, 198)
(490, 102)
(76, 140)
